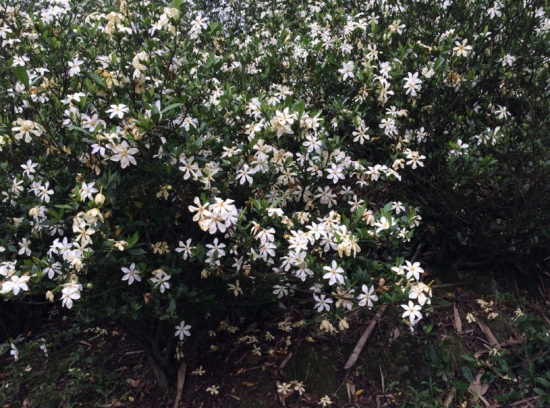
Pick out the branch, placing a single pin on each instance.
(366, 334)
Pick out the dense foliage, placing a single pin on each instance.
(158, 165)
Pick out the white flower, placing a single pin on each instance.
(335, 173)
(24, 244)
(118, 110)
(75, 67)
(15, 283)
(43, 347)
(367, 297)
(280, 290)
(299, 386)
(198, 371)
(131, 274)
(182, 330)
(28, 168)
(412, 84)
(185, 248)
(383, 224)
(334, 274)
(44, 193)
(68, 296)
(87, 190)
(322, 303)
(494, 11)
(502, 112)
(414, 158)
(412, 311)
(244, 174)
(52, 269)
(418, 292)
(83, 233)
(235, 288)
(21, 61)
(124, 154)
(398, 207)
(14, 352)
(508, 60)
(26, 128)
(414, 270)
(161, 279)
(284, 388)
(462, 49)
(325, 401)
(347, 70)
(213, 389)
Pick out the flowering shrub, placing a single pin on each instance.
(157, 165)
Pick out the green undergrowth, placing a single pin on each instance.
(441, 364)
(72, 374)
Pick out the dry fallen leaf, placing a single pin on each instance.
(478, 390)
(181, 381)
(350, 387)
(458, 321)
(489, 334)
(450, 397)
(133, 383)
(248, 384)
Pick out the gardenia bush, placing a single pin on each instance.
(158, 166)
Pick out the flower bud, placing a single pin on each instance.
(326, 326)
(99, 199)
(343, 324)
(49, 296)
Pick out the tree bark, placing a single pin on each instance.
(160, 375)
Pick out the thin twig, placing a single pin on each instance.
(366, 334)
(525, 400)
(286, 360)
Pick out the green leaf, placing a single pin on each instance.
(300, 107)
(98, 80)
(540, 392)
(133, 239)
(172, 307)
(136, 251)
(73, 127)
(467, 373)
(171, 107)
(21, 74)
(543, 381)
(469, 359)
(442, 302)
(461, 385)
(438, 63)
(155, 115)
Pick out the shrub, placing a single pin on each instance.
(179, 164)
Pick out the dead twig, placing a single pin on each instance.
(382, 379)
(286, 360)
(446, 285)
(526, 400)
(244, 370)
(366, 334)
